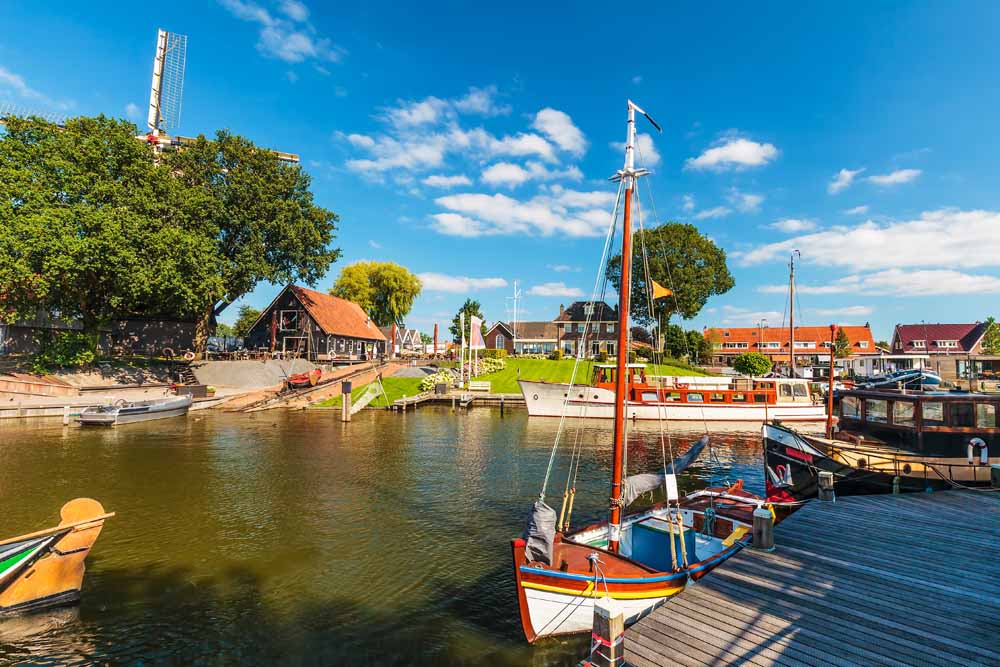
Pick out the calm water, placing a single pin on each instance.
(290, 538)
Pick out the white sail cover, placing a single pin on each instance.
(636, 485)
(540, 533)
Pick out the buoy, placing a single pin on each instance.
(984, 455)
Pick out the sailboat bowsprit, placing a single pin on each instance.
(639, 559)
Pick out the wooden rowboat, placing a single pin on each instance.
(46, 568)
(302, 380)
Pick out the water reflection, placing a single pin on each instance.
(292, 538)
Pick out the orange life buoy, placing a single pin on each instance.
(189, 355)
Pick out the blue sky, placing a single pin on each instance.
(473, 145)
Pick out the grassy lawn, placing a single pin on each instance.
(394, 388)
(505, 382)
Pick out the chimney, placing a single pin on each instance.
(562, 310)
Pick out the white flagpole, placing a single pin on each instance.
(461, 352)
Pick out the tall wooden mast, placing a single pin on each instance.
(628, 175)
(791, 314)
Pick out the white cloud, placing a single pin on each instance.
(508, 174)
(442, 181)
(647, 155)
(132, 111)
(857, 210)
(440, 282)
(563, 268)
(842, 180)
(637, 79)
(733, 153)
(482, 101)
(717, 212)
(901, 282)
(793, 225)
(555, 289)
(559, 128)
(423, 112)
(733, 315)
(15, 84)
(290, 38)
(745, 201)
(555, 211)
(938, 238)
(688, 203)
(846, 311)
(372, 243)
(895, 178)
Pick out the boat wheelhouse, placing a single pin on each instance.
(681, 398)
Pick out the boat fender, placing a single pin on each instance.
(189, 355)
(980, 445)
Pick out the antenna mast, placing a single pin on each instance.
(791, 313)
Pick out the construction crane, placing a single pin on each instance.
(166, 94)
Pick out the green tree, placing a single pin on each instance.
(260, 215)
(991, 337)
(426, 339)
(223, 329)
(384, 290)
(884, 344)
(752, 363)
(701, 348)
(841, 344)
(680, 258)
(93, 229)
(675, 341)
(470, 308)
(247, 316)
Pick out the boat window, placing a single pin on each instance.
(986, 415)
(785, 390)
(961, 414)
(875, 410)
(696, 398)
(717, 398)
(849, 407)
(932, 413)
(760, 398)
(800, 391)
(903, 413)
(674, 396)
(649, 396)
(739, 397)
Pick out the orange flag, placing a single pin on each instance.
(659, 291)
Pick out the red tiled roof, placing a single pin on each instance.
(337, 316)
(818, 335)
(967, 335)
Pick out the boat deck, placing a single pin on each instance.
(901, 580)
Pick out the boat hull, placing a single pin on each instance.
(793, 463)
(137, 412)
(546, 399)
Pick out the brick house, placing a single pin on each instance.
(531, 337)
(316, 326)
(601, 335)
(952, 349)
(812, 344)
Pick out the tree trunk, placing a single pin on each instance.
(204, 329)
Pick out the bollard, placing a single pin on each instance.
(895, 484)
(763, 529)
(501, 406)
(345, 403)
(826, 486)
(608, 638)
(65, 415)
(453, 402)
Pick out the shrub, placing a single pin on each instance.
(61, 349)
(495, 354)
(555, 355)
(752, 363)
(487, 366)
(631, 356)
(441, 377)
(602, 356)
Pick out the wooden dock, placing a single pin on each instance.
(458, 399)
(867, 580)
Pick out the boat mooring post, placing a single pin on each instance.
(608, 639)
(896, 481)
(65, 415)
(763, 529)
(501, 406)
(345, 403)
(826, 485)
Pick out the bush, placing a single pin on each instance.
(752, 363)
(441, 377)
(60, 350)
(487, 366)
(555, 355)
(495, 354)
(602, 357)
(632, 357)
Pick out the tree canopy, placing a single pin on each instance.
(681, 259)
(384, 290)
(470, 308)
(93, 229)
(841, 344)
(247, 316)
(991, 337)
(752, 363)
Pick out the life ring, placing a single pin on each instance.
(169, 353)
(189, 355)
(984, 452)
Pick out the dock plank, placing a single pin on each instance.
(911, 579)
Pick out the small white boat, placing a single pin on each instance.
(129, 412)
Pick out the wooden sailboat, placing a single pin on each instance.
(46, 568)
(639, 559)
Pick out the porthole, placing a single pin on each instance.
(595, 397)
(581, 395)
(907, 469)
(862, 463)
(535, 397)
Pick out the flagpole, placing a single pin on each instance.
(461, 352)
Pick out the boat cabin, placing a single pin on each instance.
(643, 388)
(934, 422)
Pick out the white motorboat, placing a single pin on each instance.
(129, 412)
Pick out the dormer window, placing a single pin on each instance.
(918, 344)
(588, 309)
(863, 344)
(946, 343)
(726, 334)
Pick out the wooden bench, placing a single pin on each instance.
(479, 386)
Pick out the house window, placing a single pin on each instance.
(827, 344)
(609, 327)
(946, 343)
(863, 344)
(588, 309)
(595, 348)
(289, 320)
(805, 345)
(499, 343)
(770, 345)
(726, 334)
(736, 346)
(918, 344)
(579, 328)
(611, 349)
